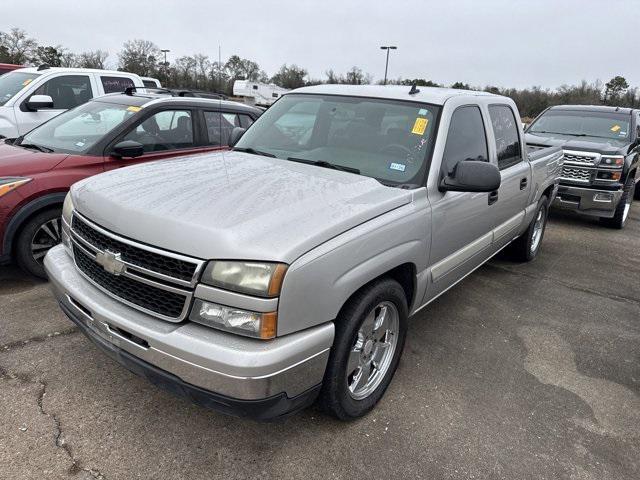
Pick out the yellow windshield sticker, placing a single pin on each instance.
(420, 126)
(27, 82)
(615, 128)
(134, 109)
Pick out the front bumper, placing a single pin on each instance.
(583, 200)
(233, 374)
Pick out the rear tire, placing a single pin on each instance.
(621, 215)
(38, 235)
(370, 335)
(526, 247)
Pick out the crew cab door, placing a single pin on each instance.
(462, 222)
(170, 132)
(66, 91)
(507, 151)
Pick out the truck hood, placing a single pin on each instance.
(605, 146)
(16, 161)
(233, 205)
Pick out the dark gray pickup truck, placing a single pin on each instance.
(601, 154)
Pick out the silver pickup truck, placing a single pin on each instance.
(257, 280)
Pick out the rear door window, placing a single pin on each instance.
(116, 84)
(505, 131)
(67, 91)
(466, 140)
(219, 126)
(245, 121)
(165, 130)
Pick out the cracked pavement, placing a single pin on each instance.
(520, 371)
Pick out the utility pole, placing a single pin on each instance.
(386, 65)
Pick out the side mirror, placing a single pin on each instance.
(472, 176)
(39, 102)
(236, 134)
(128, 149)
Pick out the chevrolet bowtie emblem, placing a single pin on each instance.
(111, 262)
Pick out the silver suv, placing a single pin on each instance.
(257, 280)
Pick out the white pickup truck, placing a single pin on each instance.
(256, 280)
(31, 96)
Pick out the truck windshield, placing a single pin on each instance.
(574, 123)
(12, 82)
(77, 130)
(384, 139)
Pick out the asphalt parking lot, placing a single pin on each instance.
(521, 371)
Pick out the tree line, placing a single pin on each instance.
(198, 71)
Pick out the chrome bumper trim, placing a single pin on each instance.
(219, 362)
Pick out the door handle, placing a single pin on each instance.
(493, 197)
(523, 183)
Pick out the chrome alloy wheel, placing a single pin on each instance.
(373, 350)
(46, 237)
(538, 228)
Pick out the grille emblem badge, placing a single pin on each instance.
(111, 262)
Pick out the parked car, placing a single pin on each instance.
(253, 281)
(31, 96)
(602, 153)
(9, 67)
(109, 132)
(151, 82)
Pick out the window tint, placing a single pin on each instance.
(116, 84)
(148, 84)
(67, 91)
(505, 130)
(466, 139)
(166, 130)
(219, 126)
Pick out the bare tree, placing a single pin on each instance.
(93, 59)
(139, 56)
(17, 47)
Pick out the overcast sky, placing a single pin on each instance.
(482, 42)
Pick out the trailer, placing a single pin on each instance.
(256, 93)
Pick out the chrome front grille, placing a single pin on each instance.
(155, 281)
(581, 158)
(575, 174)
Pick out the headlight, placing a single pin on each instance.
(243, 322)
(8, 184)
(253, 278)
(67, 209)
(612, 161)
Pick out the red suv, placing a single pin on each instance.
(113, 131)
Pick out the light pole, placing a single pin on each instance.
(166, 65)
(386, 65)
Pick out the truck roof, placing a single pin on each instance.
(72, 70)
(432, 95)
(594, 108)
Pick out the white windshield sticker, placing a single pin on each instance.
(398, 166)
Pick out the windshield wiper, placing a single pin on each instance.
(40, 148)
(253, 151)
(324, 164)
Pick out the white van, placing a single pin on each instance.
(31, 96)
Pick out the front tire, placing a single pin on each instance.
(39, 234)
(526, 247)
(621, 215)
(370, 335)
